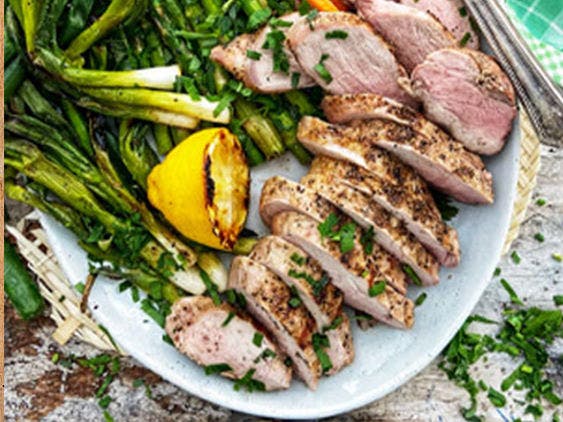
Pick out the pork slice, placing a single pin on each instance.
(282, 195)
(209, 335)
(467, 93)
(453, 15)
(249, 60)
(295, 267)
(354, 58)
(321, 298)
(268, 300)
(403, 193)
(388, 231)
(349, 272)
(233, 55)
(446, 165)
(261, 76)
(413, 34)
(347, 108)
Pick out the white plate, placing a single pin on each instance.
(385, 358)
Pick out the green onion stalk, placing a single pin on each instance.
(30, 161)
(141, 276)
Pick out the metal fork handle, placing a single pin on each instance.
(539, 95)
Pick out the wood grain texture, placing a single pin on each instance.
(36, 388)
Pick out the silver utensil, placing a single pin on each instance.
(542, 99)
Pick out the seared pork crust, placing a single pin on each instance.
(280, 195)
(403, 193)
(446, 165)
(389, 232)
(350, 272)
(287, 261)
(268, 300)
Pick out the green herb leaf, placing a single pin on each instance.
(420, 299)
(515, 257)
(465, 39)
(230, 316)
(322, 70)
(253, 55)
(558, 300)
(257, 339)
(326, 228)
(557, 257)
(334, 324)
(248, 383)
(217, 368)
(412, 275)
(211, 287)
(320, 343)
(541, 202)
(496, 397)
(377, 288)
(539, 237)
(298, 259)
(513, 296)
(336, 35)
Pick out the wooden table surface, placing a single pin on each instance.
(36, 388)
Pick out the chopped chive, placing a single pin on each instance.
(365, 273)
(465, 39)
(216, 368)
(377, 288)
(496, 397)
(513, 296)
(104, 402)
(320, 343)
(257, 339)
(211, 287)
(295, 77)
(336, 35)
(230, 316)
(322, 70)
(541, 202)
(412, 275)
(515, 257)
(557, 256)
(294, 302)
(462, 12)
(137, 382)
(80, 287)
(334, 324)
(539, 237)
(253, 55)
(420, 299)
(298, 259)
(497, 272)
(55, 358)
(558, 300)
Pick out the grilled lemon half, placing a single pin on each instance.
(202, 188)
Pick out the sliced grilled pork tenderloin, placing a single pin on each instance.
(344, 55)
(403, 193)
(347, 108)
(466, 92)
(294, 266)
(413, 34)
(446, 165)
(250, 60)
(453, 15)
(212, 335)
(389, 232)
(350, 272)
(279, 195)
(268, 300)
(321, 298)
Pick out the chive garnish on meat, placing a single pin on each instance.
(320, 343)
(257, 339)
(515, 257)
(465, 39)
(334, 324)
(367, 240)
(412, 275)
(377, 288)
(298, 259)
(217, 368)
(248, 383)
(253, 55)
(230, 316)
(336, 35)
(322, 70)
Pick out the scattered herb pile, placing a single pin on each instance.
(525, 334)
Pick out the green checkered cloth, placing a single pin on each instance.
(541, 24)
